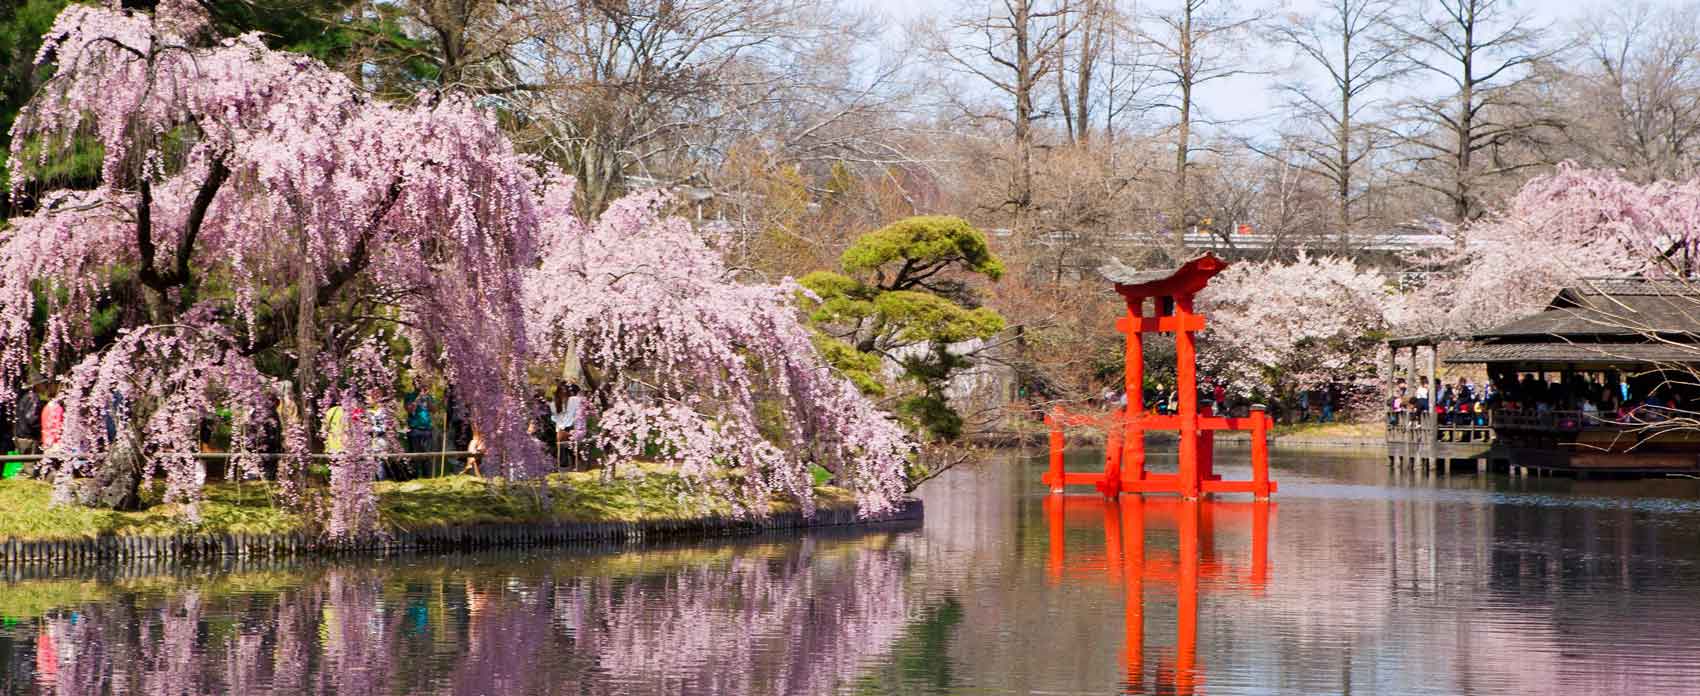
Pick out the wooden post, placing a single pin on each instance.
(1388, 392)
(1432, 434)
(1411, 372)
(1207, 446)
(1111, 484)
(1054, 477)
(1133, 440)
(1392, 372)
(1186, 383)
(1259, 452)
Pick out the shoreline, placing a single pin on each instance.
(1222, 438)
(111, 549)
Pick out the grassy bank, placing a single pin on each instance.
(1374, 431)
(650, 493)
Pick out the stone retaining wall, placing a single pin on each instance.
(198, 547)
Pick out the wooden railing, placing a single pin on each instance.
(1556, 421)
(1413, 427)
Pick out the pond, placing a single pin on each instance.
(1356, 579)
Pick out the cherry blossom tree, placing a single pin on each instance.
(1573, 223)
(273, 220)
(1275, 327)
(690, 367)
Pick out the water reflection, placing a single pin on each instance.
(1131, 559)
(790, 618)
(1366, 581)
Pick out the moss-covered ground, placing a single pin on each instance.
(644, 493)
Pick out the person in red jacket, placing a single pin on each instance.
(52, 422)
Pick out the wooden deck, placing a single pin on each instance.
(1560, 441)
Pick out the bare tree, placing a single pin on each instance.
(1356, 47)
(1487, 53)
(466, 37)
(1636, 94)
(1102, 72)
(664, 88)
(1195, 44)
(1010, 46)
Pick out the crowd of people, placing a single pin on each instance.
(1463, 403)
(34, 424)
(1587, 397)
(1319, 404)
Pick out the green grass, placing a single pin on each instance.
(1345, 431)
(646, 492)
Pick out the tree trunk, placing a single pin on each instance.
(1344, 144)
(1024, 87)
(306, 341)
(1466, 97)
(1183, 134)
(1183, 140)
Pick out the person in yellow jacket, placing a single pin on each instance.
(336, 430)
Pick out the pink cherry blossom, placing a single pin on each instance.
(1573, 223)
(1275, 326)
(688, 361)
(260, 171)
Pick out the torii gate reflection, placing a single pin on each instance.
(1128, 562)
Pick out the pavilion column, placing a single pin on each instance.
(1433, 394)
(1186, 378)
(1433, 368)
(1392, 373)
(1411, 374)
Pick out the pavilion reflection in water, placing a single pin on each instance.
(1132, 558)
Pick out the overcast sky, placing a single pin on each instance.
(1249, 101)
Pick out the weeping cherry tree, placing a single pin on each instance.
(690, 367)
(272, 221)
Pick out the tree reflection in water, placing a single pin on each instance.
(1131, 560)
(786, 618)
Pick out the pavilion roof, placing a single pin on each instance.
(1609, 309)
(1188, 278)
(1580, 353)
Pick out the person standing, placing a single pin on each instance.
(562, 420)
(419, 428)
(27, 431)
(52, 423)
(573, 416)
(8, 426)
(376, 417)
(335, 430)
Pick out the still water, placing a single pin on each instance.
(1356, 579)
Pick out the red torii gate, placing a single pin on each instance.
(1169, 311)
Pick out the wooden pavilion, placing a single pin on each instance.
(1605, 378)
